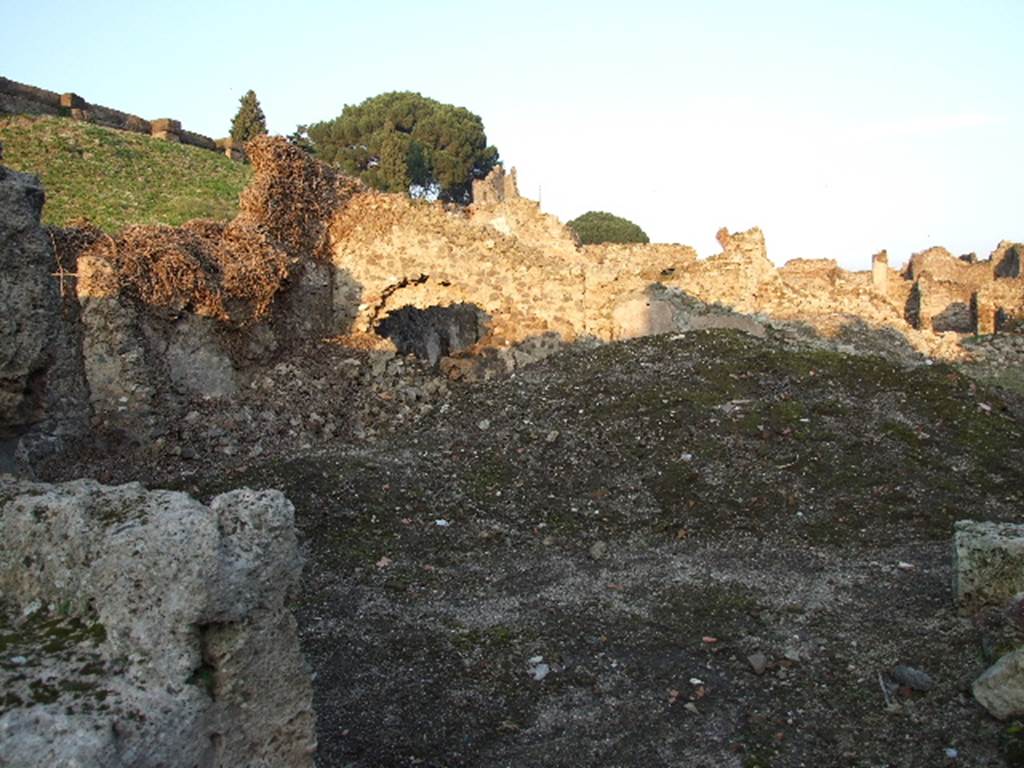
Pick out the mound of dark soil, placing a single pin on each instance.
(700, 550)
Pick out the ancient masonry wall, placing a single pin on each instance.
(526, 271)
(357, 256)
(20, 99)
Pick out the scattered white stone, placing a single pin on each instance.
(552, 436)
(538, 669)
(951, 753)
(696, 681)
(18, 661)
(441, 523)
(904, 566)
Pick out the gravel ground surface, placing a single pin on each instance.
(693, 550)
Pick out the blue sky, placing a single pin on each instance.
(839, 128)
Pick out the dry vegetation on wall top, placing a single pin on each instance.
(228, 271)
(292, 197)
(116, 178)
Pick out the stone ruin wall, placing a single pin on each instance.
(362, 255)
(20, 99)
(43, 391)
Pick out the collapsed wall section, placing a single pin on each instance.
(175, 312)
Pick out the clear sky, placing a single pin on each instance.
(839, 128)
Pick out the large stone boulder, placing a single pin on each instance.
(1001, 688)
(42, 383)
(143, 628)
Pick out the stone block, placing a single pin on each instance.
(984, 311)
(1000, 689)
(165, 124)
(173, 614)
(167, 136)
(988, 563)
(880, 272)
(72, 101)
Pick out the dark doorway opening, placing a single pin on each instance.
(435, 332)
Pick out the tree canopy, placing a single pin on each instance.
(405, 142)
(601, 227)
(250, 121)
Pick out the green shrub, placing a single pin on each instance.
(600, 227)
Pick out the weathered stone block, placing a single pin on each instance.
(169, 612)
(988, 563)
(72, 101)
(165, 124)
(42, 383)
(1001, 688)
(880, 272)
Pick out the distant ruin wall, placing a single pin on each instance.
(20, 99)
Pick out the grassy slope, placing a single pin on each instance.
(115, 178)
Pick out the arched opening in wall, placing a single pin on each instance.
(434, 332)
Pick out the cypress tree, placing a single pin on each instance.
(250, 121)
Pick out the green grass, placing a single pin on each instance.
(115, 178)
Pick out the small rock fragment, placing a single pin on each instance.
(538, 669)
(598, 550)
(552, 436)
(484, 424)
(758, 662)
(912, 678)
(691, 708)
